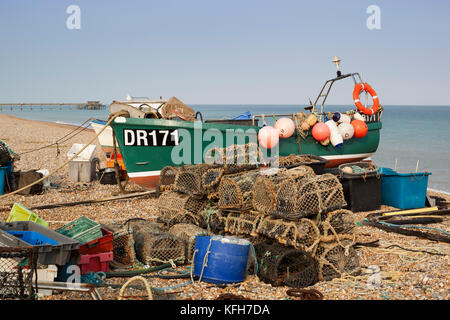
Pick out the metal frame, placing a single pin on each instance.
(66, 286)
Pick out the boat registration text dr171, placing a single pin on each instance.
(150, 137)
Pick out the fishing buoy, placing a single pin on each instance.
(360, 128)
(336, 116)
(325, 142)
(345, 118)
(285, 126)
(358, 116)
(347, 170)
(305, 126)
(346, 130)
(311, 120)
(320, 131)
(268, 137)
(335, 136)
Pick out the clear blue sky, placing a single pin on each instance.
(223, 52)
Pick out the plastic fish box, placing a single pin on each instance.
(100, 245)
(20, 213)
(56, 250)
(82, 229)
(403, 190)
(95, 262)
(362, 191)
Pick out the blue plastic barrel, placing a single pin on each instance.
(226, 261)
(403, 190)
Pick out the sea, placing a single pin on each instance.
(413, 138)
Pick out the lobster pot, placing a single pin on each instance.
(336, 258)
(280, 265)
(123, 244)
(187, 233)
(188, 179)
(318, 195)
(337, 222)
(159, 248)
(175, 207)
(302, 234)
(235, 158)
(210, 181)
(212, 218)
(244, 223)
(235, 191)
(167, 179)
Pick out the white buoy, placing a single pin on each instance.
(344, 118)
(346, 130)
(358, 116)
(335, 136)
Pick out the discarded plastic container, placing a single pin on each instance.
(403, 190)
(95, 262)
(82, 167)
(20, 213)
(46, 275)
(100, 245)
(58, 253)
(362, 191)
(82, 229)
(86, 155)
(226, 261)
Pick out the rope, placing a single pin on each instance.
(147, 287)
(418, 227)
(111, 117)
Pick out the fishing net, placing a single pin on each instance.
(336, 222)
(17, 267)
(242, 223)
(302, 234)
(187, 233)
(123, 243)
(235, 190)
(280, 265)
(315, 195)
(175, 207)
(212, 219)
(167, 179)
(337, 258)
(153, 248)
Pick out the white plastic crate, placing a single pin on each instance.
(46, 275)
(86, 155)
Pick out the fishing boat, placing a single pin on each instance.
(173, 134)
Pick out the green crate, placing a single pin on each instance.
(83, 229)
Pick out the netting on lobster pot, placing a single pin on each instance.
(175, 207)
(302, 234)
(188, 179)
(158, 248)
(281, 265)
(317, 195)
(167, 179)
(124, 251)
(236, 157)
(235, 190)
(296, 159)
(212, 219)
(243, 223)
(187, 232)
(336, 222)
(210, 181)
(337, 258)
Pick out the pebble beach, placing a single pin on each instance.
(409, 268)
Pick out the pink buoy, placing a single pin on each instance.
(285, 127)
(320, 131)
(268, 137)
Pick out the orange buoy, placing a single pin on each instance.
(285, 126)
(268, 137)
(357, 91)
(320, 131)
(360, 128)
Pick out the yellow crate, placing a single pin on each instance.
(21, 213)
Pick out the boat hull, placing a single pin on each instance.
(144, 161)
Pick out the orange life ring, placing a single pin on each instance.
(366, 87)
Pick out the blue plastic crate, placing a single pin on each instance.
(403, 190)
(33, 238)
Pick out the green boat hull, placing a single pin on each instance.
(144, 161)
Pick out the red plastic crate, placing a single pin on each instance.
(95, 262)
(100, 245)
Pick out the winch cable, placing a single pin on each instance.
(111, 118)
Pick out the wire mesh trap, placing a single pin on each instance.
(166, 179)
(17, 266)
(175, 207)
(315, 195)
(281, 265)
(242, 223)
(235, 190)
(153, 248)
(212, 219)
(236, 157)
(336, 222)
(123, 243)
(296, 159)
(336, 258)
(187, 233)
(302, 234)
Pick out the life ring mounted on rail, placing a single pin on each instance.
(357, 91)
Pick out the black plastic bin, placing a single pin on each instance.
(58, 254)
(318, 166)
(362, 191)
